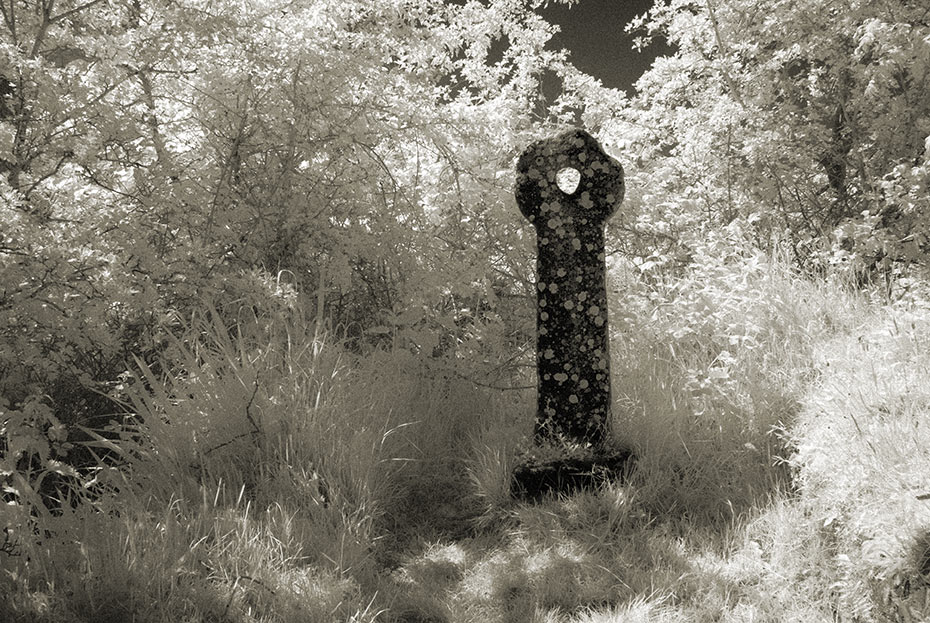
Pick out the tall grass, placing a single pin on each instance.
(863, 463)
(712, 372)
(266, 473)
(255, 479)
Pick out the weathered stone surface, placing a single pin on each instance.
(533, 480)
(572, 347)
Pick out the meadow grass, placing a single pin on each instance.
(271, 474)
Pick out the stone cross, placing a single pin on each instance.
(572, 345)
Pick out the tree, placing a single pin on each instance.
(807, 119)
(353, 158)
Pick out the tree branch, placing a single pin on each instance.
(78, 9)
(43, 28)
(724, 50)
(10, 20)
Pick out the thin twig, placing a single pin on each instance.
(248, 413)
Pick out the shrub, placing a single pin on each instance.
(710, 364)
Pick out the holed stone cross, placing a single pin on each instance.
(572, 344)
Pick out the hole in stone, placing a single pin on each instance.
(568, 180)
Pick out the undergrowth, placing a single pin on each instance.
(265, 472)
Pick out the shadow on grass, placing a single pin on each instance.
(655, 541)
(595, 551)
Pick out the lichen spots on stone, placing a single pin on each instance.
(571, 334)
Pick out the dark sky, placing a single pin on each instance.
(593, 31)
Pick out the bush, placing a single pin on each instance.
(710, 366)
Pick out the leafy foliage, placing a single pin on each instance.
(808, 120)
(265, 311)
(353, 154)
(255, 159)
(862, 464)
(347, 157)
